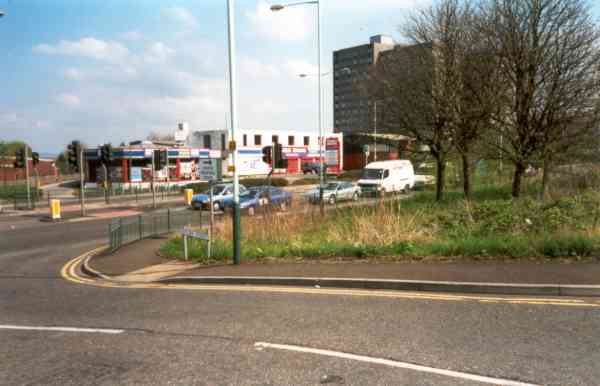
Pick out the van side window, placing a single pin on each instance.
(386, 173)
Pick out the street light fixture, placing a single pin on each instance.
(279, 7)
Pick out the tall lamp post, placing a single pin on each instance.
(279, 7)
(237, 226)
(375, 129)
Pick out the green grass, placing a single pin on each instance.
(9, 192)
(491, 225)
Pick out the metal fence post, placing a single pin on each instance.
(168, 220)
(140, 227)
(120, 231)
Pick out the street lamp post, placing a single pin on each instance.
(375, 130)
(237, 231)
(279, 7)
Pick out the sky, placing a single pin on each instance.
(114, 70)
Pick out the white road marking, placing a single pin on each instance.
(61, 329)
(388, 362)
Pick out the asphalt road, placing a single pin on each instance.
(208, 337)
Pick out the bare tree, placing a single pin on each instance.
(429, 87)
(546, 52)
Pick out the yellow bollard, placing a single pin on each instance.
(188, 194)
(55, 209)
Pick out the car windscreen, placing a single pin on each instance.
(371, 174)
(217, 190)
(331, 186)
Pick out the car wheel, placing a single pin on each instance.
(332, 199)
(251, 211)
(283, 206)
(406, 189)
(355, 196)
(216, 206)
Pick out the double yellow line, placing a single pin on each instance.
(69, 272)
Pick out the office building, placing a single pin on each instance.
(352, 109)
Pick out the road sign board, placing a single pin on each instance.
(207, 170)
(197, 235)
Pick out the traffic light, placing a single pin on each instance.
(278, 161)
(73, 155)
(106, 154)
(20, 159)
(35, 158)
(160, 159)
(267, 154)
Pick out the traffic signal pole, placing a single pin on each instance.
(27, 178)
(81, 181)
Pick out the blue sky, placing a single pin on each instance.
(114, 70)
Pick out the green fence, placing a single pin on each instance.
(125, 230)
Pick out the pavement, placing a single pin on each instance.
(141, 261)
(59, 332)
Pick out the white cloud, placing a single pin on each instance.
(73, 74)
(88, 47)
(132, 35)
(255, 69)
(287, 25)
(158, 52)
(68, 100)
(181, 15)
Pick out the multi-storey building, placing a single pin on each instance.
(353, 111)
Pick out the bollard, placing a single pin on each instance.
(188, 194)
(55, 209)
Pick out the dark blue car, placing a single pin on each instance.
(262, 196)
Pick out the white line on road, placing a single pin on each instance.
(388, 362)
(61, 329)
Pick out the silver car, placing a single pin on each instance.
(336, 191)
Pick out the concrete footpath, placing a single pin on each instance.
(140, 262)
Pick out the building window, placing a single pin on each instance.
(306, 140)
(275, 139)
(257, 140)
(245, 140)
(207, 141)
(290, 140)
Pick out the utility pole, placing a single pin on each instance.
(237, 231)
(81, 182)
(27, 177)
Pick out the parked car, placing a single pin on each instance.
(313, 168)
(387, 177)
(222, 195)
(262, 196)
(249, 202)
(334, 192)
(270, 195)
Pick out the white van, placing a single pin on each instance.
(387, 177)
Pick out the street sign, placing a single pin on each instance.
(186, 232)
(193, 234)
(207, 169)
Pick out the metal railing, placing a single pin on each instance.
(126, 230)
